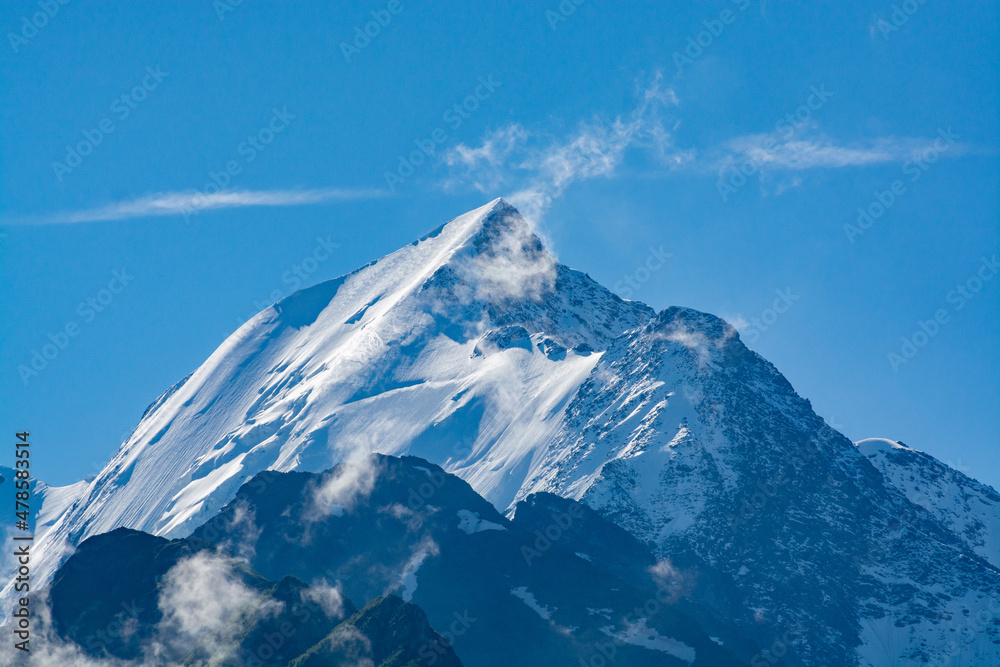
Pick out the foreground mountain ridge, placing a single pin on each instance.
(475, 349)
(185, 602)
(418, 548)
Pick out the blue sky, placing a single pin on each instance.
(622, 128)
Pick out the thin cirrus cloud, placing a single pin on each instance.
(190, 202)
(800, 153)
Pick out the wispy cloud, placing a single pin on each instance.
(788, 152)
(350, 482)
(189, 202)
(534, 169)
(539, 169)
(819, 152)
(205, 606)
(484, 165)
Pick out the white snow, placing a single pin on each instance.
(55, 501)
(528, 598)
(408, 577)
(638, 634)
(869, 446)
(50, 505)
(469, 523)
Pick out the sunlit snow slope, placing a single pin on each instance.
(463, 347)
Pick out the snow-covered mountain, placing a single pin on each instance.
(475, 349)
(48, 506)
(967, 507)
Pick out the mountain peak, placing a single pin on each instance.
(495, 257)
(487, 254)
(494, 229)
(503, 221)
(492, 220)
(687, 320)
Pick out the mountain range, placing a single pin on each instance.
(532, 390)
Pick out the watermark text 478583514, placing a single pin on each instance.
(22, 542)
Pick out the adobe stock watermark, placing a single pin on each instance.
(120, 626)
(914, 168)
(786, 126)
(775, 653)
(87, 311)
(630, 283)
(271, 643)
(669, 589)
(223, 7)
(754, 500)
(758, 325)
(900, 16)
(419, 497)
(552, 533)
(749, 332)
(958, 298)
(30, 25)
(969, 629)
(296, 277)
(246, 152)
(430, 652)
(381, 18)
(563, 11)
(701, 40)
(453, 117)
(121, 108)
(763, 490)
